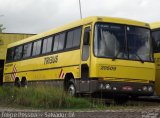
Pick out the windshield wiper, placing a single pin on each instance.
(139, 58)
(115, 57)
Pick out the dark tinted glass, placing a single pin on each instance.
(61, 41)
(138, 43)
(36, 48)
(77, 37)
(55, 47)
(156, 40)
(10, 54)
(27, 50)
(47, 45)
(70, 37)
(18, 53)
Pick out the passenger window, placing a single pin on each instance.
(27, 50)
(69, 39)
(10, 54)
(55, 47)
(18, 53)
(77, 37)
(36, 48)
(61, 41)
(74, 38)
(47, 45)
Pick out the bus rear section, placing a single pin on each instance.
(156, 48)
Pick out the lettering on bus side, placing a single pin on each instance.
(51, 59)
(113, 68)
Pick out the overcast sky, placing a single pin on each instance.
(35, 16)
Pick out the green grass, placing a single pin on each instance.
(45, 98)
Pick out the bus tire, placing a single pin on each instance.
(17, 82)
(24, 82)
(71, 89)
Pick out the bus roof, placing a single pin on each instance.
(155, 25)
(82, 22)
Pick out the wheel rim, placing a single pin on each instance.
(71, 90)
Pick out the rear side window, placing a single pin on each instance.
(10, 54)
(18, 53)
(59, 42)
(77, 37)
(73, 38)
(27, 50)
(36, 48)
(47, 45)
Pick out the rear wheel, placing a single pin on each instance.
(24, 82)
(71, 89)
(17, 82)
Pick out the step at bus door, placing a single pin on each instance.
(85, 64)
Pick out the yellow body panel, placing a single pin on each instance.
(123, 70)
(36, 69)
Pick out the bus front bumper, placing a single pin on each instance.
(129, 88)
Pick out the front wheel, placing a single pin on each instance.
(71, 89)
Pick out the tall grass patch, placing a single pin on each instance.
(42, 97)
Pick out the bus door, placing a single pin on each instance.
(85, 59)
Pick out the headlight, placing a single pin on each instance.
(101, 86)
(108, 86)
(144, 88)
(150, 89)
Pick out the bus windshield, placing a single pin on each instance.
(122, 42)
(156, 40)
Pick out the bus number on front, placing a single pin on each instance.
(113, 68)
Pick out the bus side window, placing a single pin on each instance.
(36, 48)
(86, 38)
(27, 50)
(18, 53)
(47, 45)
(77, 37)
(74, 38)
(55, 46)
(59, 42)
(10, 54)
(69, 39)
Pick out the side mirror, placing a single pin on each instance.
(86, 38)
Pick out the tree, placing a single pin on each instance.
(1, 28)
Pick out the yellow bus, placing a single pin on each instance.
(92, 55)
(5, 39)
(156, 48)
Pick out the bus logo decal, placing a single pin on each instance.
(13, 75)
(61, 75)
